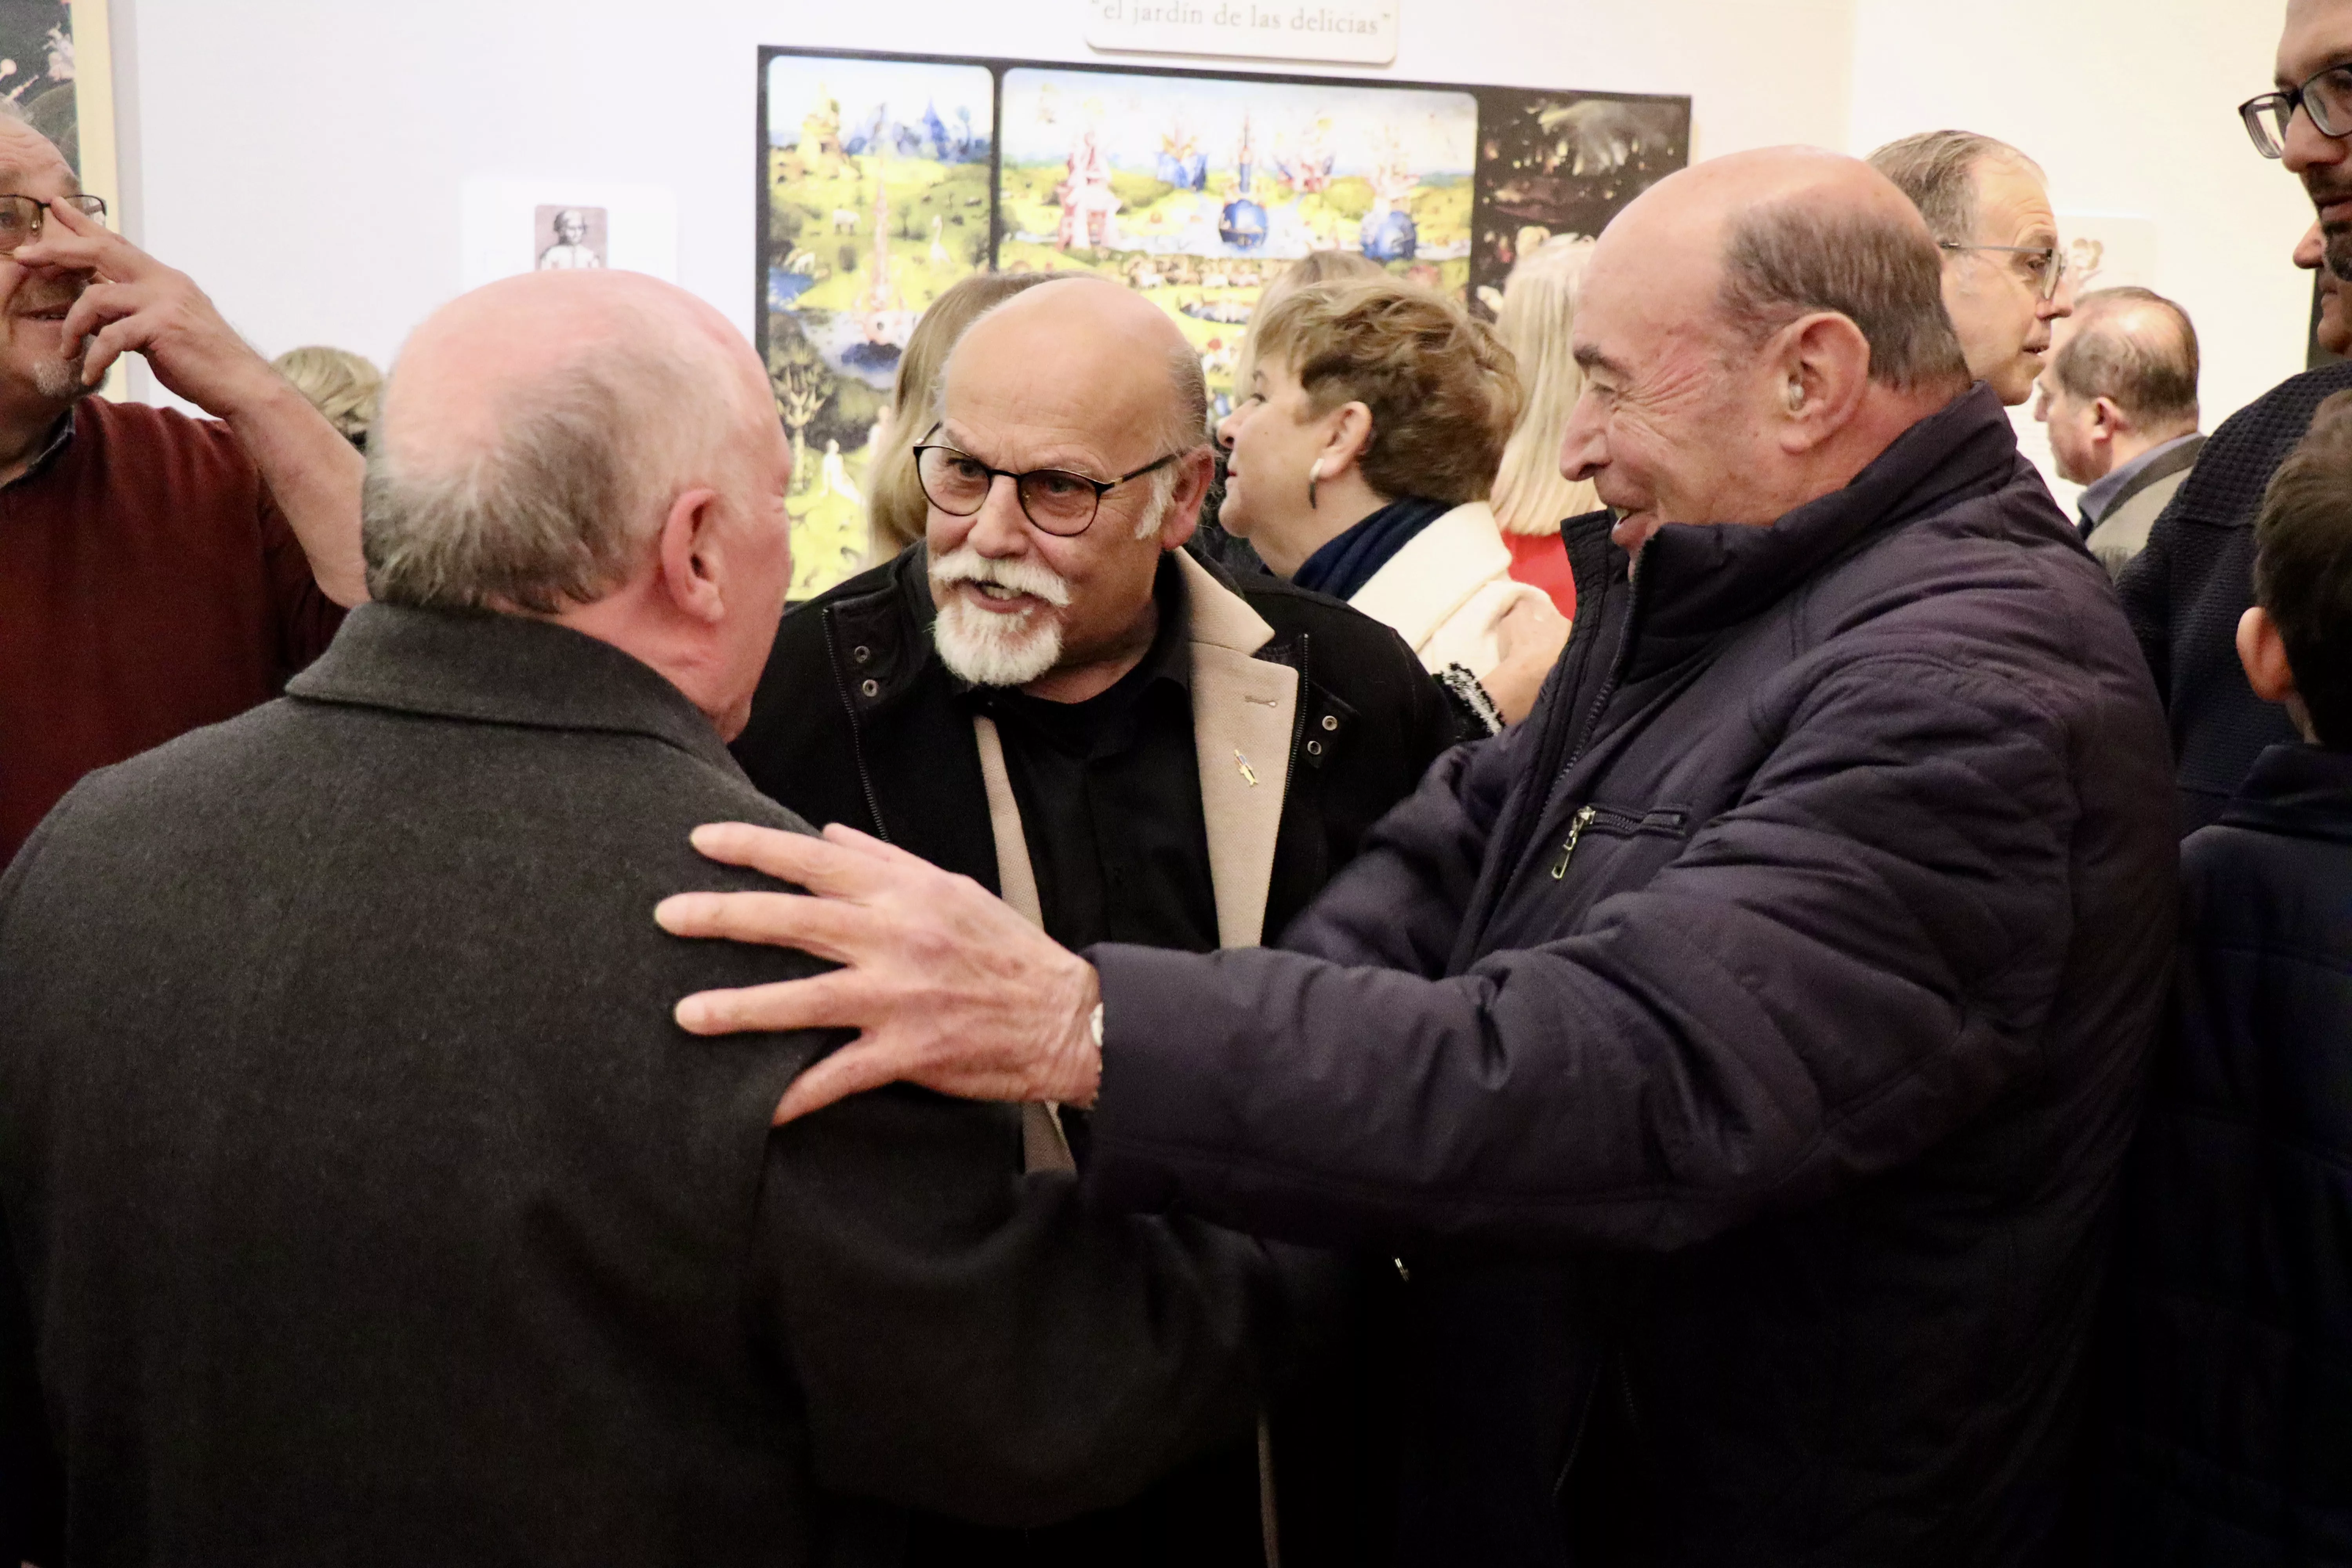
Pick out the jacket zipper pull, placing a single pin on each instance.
(1576, 825)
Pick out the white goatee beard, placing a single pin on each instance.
(987, 648)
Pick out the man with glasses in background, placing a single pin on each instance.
(2187, 591)
(1988, 205)
(1055, 699)
(157, 572)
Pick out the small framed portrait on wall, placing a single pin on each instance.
(568, 239)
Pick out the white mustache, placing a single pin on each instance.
(1020, 573)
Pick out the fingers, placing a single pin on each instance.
(833, 1000)
(71, 241)
(100, 303)
(116, 256)
(105, 348)
(829, 929)
(853, 1069)
(836, 870)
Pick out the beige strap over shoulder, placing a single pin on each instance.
(1043, 1145)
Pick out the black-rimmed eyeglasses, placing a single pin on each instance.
(1057, 500)
(2044, 266)
(20, 216)
(2327, 98)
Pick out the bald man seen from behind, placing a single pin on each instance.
(366, 1205)
(1741, 1052)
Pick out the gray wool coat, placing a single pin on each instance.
(366, 1206)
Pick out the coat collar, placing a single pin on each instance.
(487, 669)
(1244, 719)
(2110, 495)
(1702, 579)
(1437, 572)
(2301, 791)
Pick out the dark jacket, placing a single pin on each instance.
(1803, 947)
(370, 1207)
(2185, 591)
(2233, 1379)
(856, 720)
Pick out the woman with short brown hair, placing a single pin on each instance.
(1362, 453)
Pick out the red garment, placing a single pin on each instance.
(148, 586)
(1540, 560)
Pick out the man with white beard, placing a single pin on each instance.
(1055, 699)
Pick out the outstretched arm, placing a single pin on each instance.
(135, 302)
(1827, 980)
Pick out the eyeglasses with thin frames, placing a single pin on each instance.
(1058, 501)
(2327, 98)
(21, 217)
(2046, 265)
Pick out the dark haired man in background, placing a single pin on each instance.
(2120, 400)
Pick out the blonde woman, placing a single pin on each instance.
(895, 507)
(338, 384)
(1361, 453)
(1531, 500)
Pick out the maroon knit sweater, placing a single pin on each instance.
(147, 584)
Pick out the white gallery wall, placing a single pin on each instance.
(305, 159)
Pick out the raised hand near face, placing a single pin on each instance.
(135, 302)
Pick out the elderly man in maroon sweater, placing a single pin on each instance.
(157, 572)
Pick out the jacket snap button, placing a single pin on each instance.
(861, 654)
(1314, 748)
(871, 688)
(1330, 720)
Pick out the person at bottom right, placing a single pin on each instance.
(2231, 1414)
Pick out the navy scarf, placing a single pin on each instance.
(1345, 564)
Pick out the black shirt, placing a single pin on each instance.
(1109, 792)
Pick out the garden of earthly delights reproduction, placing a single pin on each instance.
(1197, 192)
(874, 211)
(1194, 191)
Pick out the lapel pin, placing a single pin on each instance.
(1248, 773)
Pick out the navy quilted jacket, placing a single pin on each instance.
(2233, 1398)
(2185, 591)
(1795, 964)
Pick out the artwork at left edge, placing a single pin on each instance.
(878, 200)
(37, 69)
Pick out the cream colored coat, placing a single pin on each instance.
(1447, 591)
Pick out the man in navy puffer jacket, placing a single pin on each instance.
(1740, 1054)
(2233, 1386)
